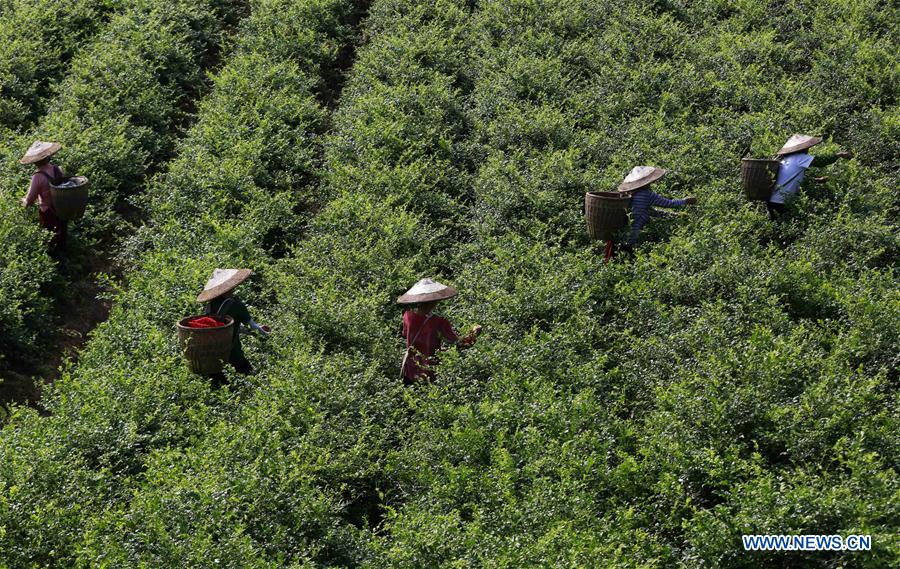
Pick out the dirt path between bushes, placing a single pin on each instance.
(78, 309)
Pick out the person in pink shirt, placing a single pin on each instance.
(425, 332)
(39, 154)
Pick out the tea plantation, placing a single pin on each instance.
(734, 375)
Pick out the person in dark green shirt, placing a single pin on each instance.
(218, 294)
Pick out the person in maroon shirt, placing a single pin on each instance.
(39, 154)
(425, 331)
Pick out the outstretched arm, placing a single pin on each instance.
(663, 213)
(451, 337)
(32, 193)
(660, 201)
(263, 329)
(242, 316)
(821, 160)
(826, 159)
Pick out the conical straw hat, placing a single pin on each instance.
(40, 150)
(223, 281)
(427, 290)
(798, 142)
(641, 176)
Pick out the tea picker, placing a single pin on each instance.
(794, 161)
(47, 173)
(644, 201)
(606, 211)
(425, 331)
(213, 338)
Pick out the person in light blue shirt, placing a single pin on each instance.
(795, 161)
(643, 199)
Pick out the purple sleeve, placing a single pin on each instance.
(33, 190)
(660, 201)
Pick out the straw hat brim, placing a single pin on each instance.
(38, 156)
(226, 287)
(798, 147)
(443, 294)
(653, 176)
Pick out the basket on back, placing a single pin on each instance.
(70, 197)
(206, 349)
(758, 177)
(606, 213)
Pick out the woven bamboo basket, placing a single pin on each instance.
(758, 177)
(69, 203)
(606, 213)
(206, 349)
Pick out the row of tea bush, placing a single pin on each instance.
(37, 41)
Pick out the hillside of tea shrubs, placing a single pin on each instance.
(733, 376)
(38, 39)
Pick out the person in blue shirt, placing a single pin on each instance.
(795, 161)
(644, 201)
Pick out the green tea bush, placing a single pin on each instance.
(37, 41)
(26, 266)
